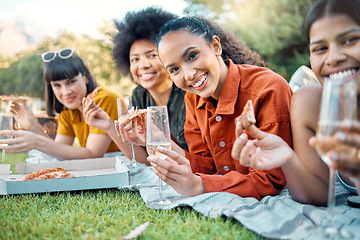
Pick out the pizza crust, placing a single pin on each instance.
(131, 114)
(90, 97)
(247, 117)
(13, 98)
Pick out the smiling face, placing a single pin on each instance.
(335, 47)
(70, 92)
(145, 65)
(193, 64)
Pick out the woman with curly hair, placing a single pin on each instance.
(219, 80)
(135, 54)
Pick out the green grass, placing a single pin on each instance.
(105, 214)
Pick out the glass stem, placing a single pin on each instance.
(161, 189)
(133, 160)
(331, 195)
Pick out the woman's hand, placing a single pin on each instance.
(133, 132)
(175, 170)
(265, 151)
(349, 135)
(21, 141)
(96, 117)
(23, 115)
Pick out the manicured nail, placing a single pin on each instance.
(347, 123)
(160, 149)
(334, 157)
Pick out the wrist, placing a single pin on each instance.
(290, 155)
(199, 187)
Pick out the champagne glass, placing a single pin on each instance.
(6, 123)
(158, 135)
(134, 163)
(338, 103)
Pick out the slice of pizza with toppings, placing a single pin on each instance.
(131, 114)
(90, 97)
(47, 174)
(247, 117)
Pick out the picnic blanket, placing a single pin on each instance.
(275, 217)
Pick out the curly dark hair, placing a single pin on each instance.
(144, 24)
(232, 47)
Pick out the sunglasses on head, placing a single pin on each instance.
(63, 54)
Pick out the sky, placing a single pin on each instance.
(40, 18)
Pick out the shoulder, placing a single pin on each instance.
(257, 78)
(309, 95)
(106, 93)
(67, 115)
(305, 106)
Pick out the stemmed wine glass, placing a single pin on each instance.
(338, 103)
(134, 163)
(158, 135)
(6, 123)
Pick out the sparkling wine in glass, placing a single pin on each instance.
(6, 123)
(338, 103)
(158, 135)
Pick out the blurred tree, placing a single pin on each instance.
(273, 28)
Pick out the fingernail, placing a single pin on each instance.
(334, 156)
(238, 124)
(257, 149)
(341, 136)
(347, 123)
(150, 158)
(243, 136)
(160, 149)
(248, 143)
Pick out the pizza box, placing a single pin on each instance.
(97, 173)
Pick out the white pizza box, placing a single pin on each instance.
(97, 173)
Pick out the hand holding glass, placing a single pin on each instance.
(338, 103)
(6, 123)
(158, 135)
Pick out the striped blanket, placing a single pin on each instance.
(275, 217)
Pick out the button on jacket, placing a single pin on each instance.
(210, 130)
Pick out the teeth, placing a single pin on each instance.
(200, 82)
(343, 74)
(146, 75)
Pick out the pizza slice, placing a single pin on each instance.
(247, 117)
(131, 114)
(13, 98)
(47, 174)
(90, 97)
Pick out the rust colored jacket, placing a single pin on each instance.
(210, 130)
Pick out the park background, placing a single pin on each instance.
(273, 28)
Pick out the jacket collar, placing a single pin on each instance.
(229, 93)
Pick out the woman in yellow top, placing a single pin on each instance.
(68, 82)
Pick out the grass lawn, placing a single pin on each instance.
(104, 214)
